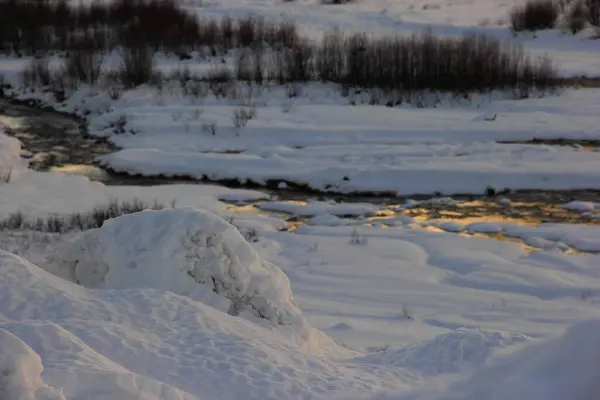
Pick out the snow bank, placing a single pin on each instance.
(547, 235)
(21, 368)
(408, 169)
(449, 352)
(186, 251)
(11, 163)
(152, 344)
(565, 368)
(580, 206)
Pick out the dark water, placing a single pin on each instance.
(51, 139)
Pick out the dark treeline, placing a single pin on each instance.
(37, 26)
(264, 51)
(79, 221)
(419, 62)
(573, 15)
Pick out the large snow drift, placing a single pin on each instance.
(150, 344)
(564, 368)
(449, 352)
(187, 251)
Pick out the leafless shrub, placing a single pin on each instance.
(210, 127)
(84, 65)
(111, 83)
(79, 221)
(242, 115)
(336, 2)
(251, 235)
(191, 84)
(576, 17)
(3, 86)
(593, 12)
(61, 84)
(137, 66)
(118, 126)
(287, 105)
(406, 313)
(426, 62)
(357, 238)
(5, 175)
(272, 51)
(534, 15)
(220, 82)
(587, 294)
(37, 73)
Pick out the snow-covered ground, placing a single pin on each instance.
(318, 140)
(410, 311)
(413, 312)
(573, 54)
(184, 304)
(386, 309)
(330, 146)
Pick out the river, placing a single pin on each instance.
(59, 142)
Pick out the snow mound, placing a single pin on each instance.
(20, 370)
(150, 344)
(449, 352)
(564, 368)
(186, 251)
(328, 220)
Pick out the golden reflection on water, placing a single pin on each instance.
(11, 122)
(427, 219)
(89, 171)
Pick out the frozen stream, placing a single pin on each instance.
(58, 142)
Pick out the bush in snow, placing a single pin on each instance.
(137, 67)
(575, 18)
(242, 115)
(593, 12)
(83, 65)
(37, 73)
(336, 1)
(534, 15)
(164, 25)
(5, 175)
(402, 66)
(186, 251)
(581, 13)
(77, 221)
